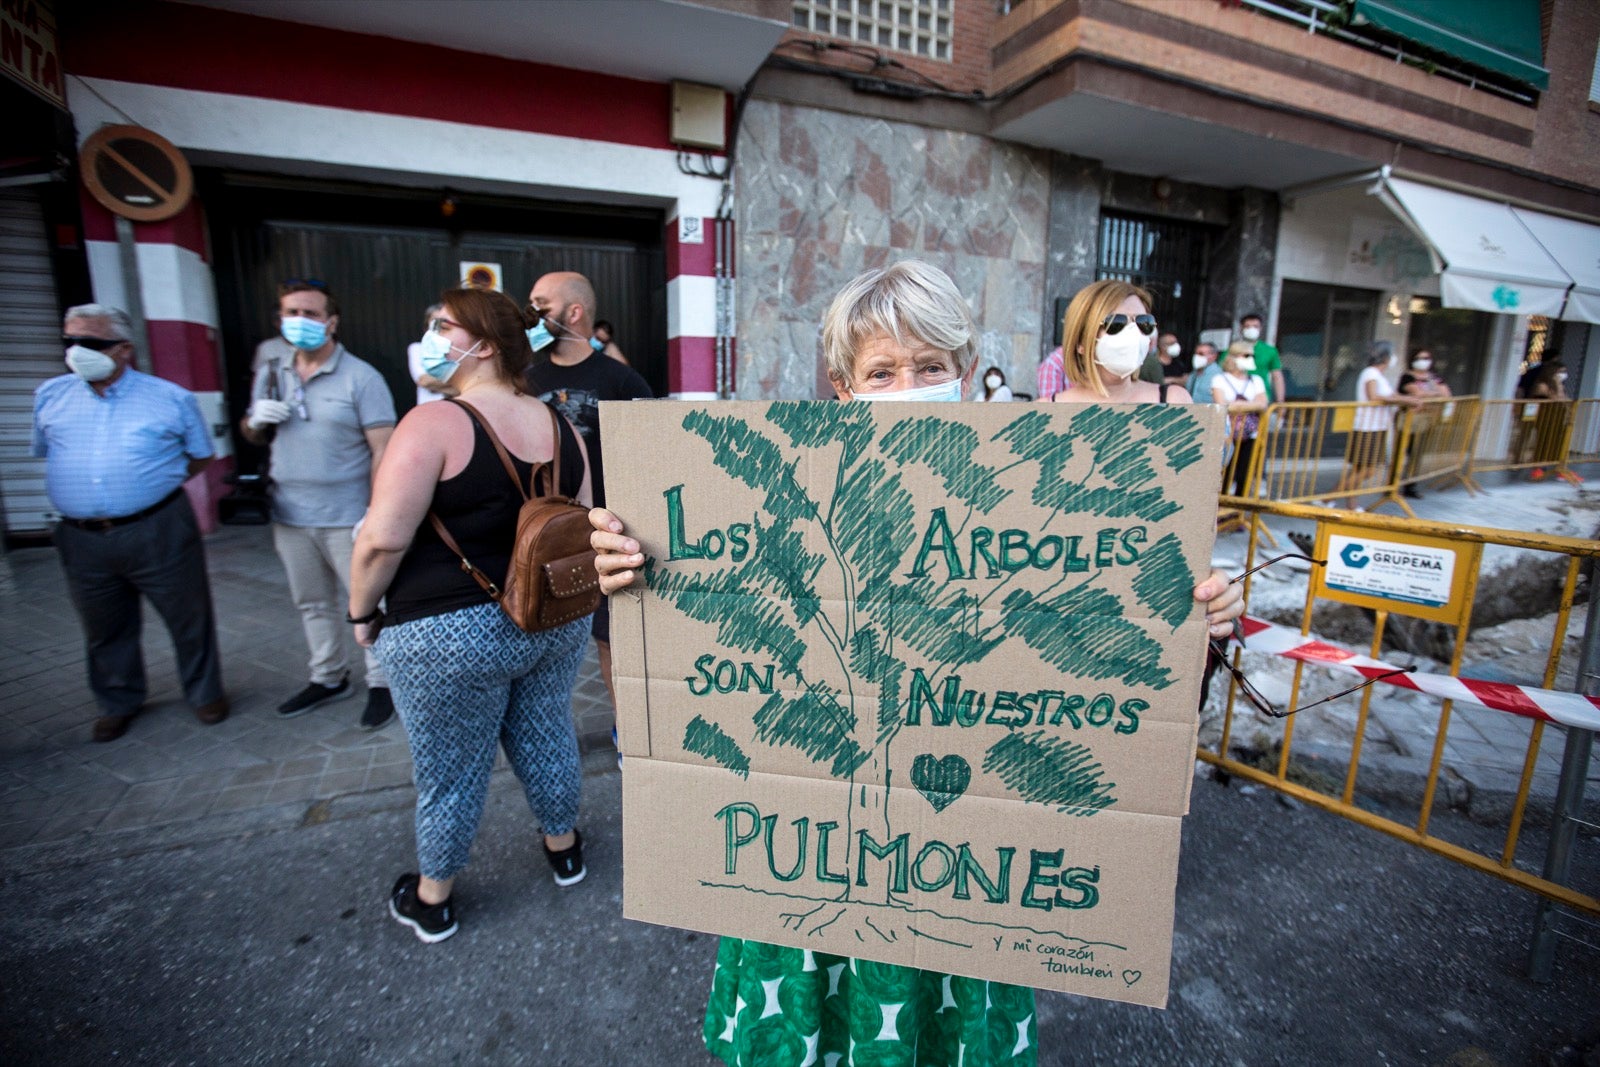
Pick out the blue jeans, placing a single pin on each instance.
(464, 681)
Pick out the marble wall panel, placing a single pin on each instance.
(823, 195)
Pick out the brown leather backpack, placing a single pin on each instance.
(551, 580)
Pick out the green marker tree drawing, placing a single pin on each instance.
(866, 533)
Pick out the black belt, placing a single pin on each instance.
(102, 525)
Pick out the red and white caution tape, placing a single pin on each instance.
(1568, 709)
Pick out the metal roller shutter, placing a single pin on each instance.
(30, 352)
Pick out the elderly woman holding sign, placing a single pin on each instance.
(902, 333)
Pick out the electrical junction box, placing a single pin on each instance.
(699, 116)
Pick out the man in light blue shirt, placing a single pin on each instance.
(118, 446)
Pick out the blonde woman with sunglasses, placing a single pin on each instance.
(1106, 336)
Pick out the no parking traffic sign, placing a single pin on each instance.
(135, 173)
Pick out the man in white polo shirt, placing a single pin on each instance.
(327, 416)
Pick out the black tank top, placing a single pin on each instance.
(479, 507)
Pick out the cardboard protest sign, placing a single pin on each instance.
(915, 682)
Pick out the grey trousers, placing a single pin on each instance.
(317, 561)
(161, 558)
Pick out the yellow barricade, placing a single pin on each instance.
(1289, 777)
(1435, 441)
(1584, 446)
(1324, 452)
(1530, 435)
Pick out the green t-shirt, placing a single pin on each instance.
(1267, 361)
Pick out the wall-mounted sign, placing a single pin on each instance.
(28, 48)
(1424, 577)
(481, 275)
(135, 173)
(691, 230)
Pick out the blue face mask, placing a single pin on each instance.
(308, 335)
(436, 361)
(944, 392)
(540, 336)
(597, 344)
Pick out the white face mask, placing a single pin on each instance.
(992, 381)
(1200, 360)
(1247, 365)
(944, 392)
(1561, 378)
(1251, 333)
(90, 365)
(1423, 364)
(1174, 348)
(1121, 353)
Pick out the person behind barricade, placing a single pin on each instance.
(1369, 435)
(899, 333)
(1268, 365)
(1242, 393)
(1422, 381)
(1549, 385)
(465, 677)
(1205, 370)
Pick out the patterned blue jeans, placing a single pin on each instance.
(463, 681)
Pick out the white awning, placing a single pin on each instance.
(1488, 260)
(1576, 246)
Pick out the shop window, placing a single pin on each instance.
(920, 27)
(1458, 338)
(1323, 331)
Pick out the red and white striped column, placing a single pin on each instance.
(700, 356)
(178, 295)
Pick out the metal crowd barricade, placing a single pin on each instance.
(1530, 435)
(1551, 885)
(1433, 442)
(1584, 444)
(1313, 452)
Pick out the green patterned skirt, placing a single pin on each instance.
(788, 1007)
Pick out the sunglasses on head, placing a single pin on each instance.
(1113, 324)
(98, 344)
(293, 283)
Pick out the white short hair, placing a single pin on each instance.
(121, 325)
(910, 300)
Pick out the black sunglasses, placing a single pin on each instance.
(315, 283)
(98, 344)
(1113, 324)
(1254, 695)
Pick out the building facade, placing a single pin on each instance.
(720, 168)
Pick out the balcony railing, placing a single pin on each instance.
(1332, 19)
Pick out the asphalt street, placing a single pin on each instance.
(262, 937)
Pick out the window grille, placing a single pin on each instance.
(920, 27)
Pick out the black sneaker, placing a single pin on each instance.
(313, 696)
(568, 863)
(379, 709)
(431, 922)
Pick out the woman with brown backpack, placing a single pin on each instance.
(465, 675)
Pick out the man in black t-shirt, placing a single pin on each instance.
(569, 372)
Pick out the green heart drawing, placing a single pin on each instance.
(1132, 976)
(941, 781)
